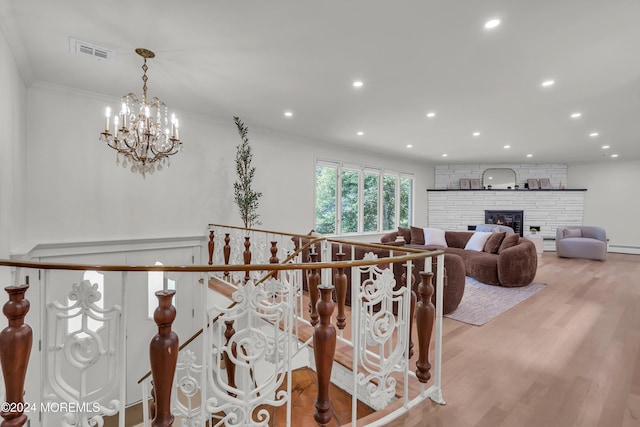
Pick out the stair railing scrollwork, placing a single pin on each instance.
(241, 370)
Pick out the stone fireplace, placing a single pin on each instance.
(547, 209)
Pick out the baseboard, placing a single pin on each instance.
(621, 249)
(630, 250)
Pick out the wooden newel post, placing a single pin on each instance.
(227, 252)
(274, 257)
(211, 247)
(163, 352)
(324, 349)
(313, 280)
(425, 317)
(340, 282)
(247, 257)
(412, 310)
(15, 348)
(229, 364)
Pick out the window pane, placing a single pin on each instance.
(406, 187)
(326, 179)
(350, 183)
(389, 202)
(370, 202)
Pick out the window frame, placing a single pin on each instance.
(362, 171)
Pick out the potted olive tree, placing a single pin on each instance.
(246, 198)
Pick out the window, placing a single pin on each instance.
(326, 190)
(389, 184)
(349, 205)
(406, 200)
(370, 202)
(155, 284)
(353, 199)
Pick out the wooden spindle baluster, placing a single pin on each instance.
(274, 258)
(412, 311)
(229, 364)
(313, 280)
(340, 282)
(247, 257)
(227, 252)
(324, 349)
(163, 351)
(211, 246)
(152, 403)
(425, 317)
(15, 348)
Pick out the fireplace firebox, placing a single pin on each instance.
(511, 219)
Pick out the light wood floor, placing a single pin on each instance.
(568, 356)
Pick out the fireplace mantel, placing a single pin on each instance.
(513, 191)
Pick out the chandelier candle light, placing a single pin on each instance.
(141, 132)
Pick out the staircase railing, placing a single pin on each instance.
(262, 329)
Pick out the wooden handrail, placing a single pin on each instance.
(214, 268)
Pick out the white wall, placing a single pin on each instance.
(612, 198)
(75, 191)
(13, 95)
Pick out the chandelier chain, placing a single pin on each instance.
(144, 80)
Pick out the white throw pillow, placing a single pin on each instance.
(477, 241)
(434, 237)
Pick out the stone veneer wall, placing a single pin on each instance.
(448, 176)
(455, 210)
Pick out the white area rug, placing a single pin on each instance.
(481, 303)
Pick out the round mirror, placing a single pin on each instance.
(499, 178)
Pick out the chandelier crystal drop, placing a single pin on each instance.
(144, 135)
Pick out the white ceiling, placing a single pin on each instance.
(258, 58)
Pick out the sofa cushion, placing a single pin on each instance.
(493, 242)
(417, 235)
(481, 266)
(389, 237)
(406, 233)
(508, 242)
(457, 239)
(434, 237)
(477, 241)
(571, 232)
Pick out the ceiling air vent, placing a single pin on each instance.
(78, 47)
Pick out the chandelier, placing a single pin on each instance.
(143, 134)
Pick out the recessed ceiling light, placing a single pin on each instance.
(606, 147)
(444, 155)
(357, 83)
(548, 83)
(409, 146)
(493, 23)
(576, 115)
(507, 146)
(614, 155)
(476, 134)
(288, 114)
(529, 155)
(360, 133)
(431, 115)
(593, 134)
(490, 177)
